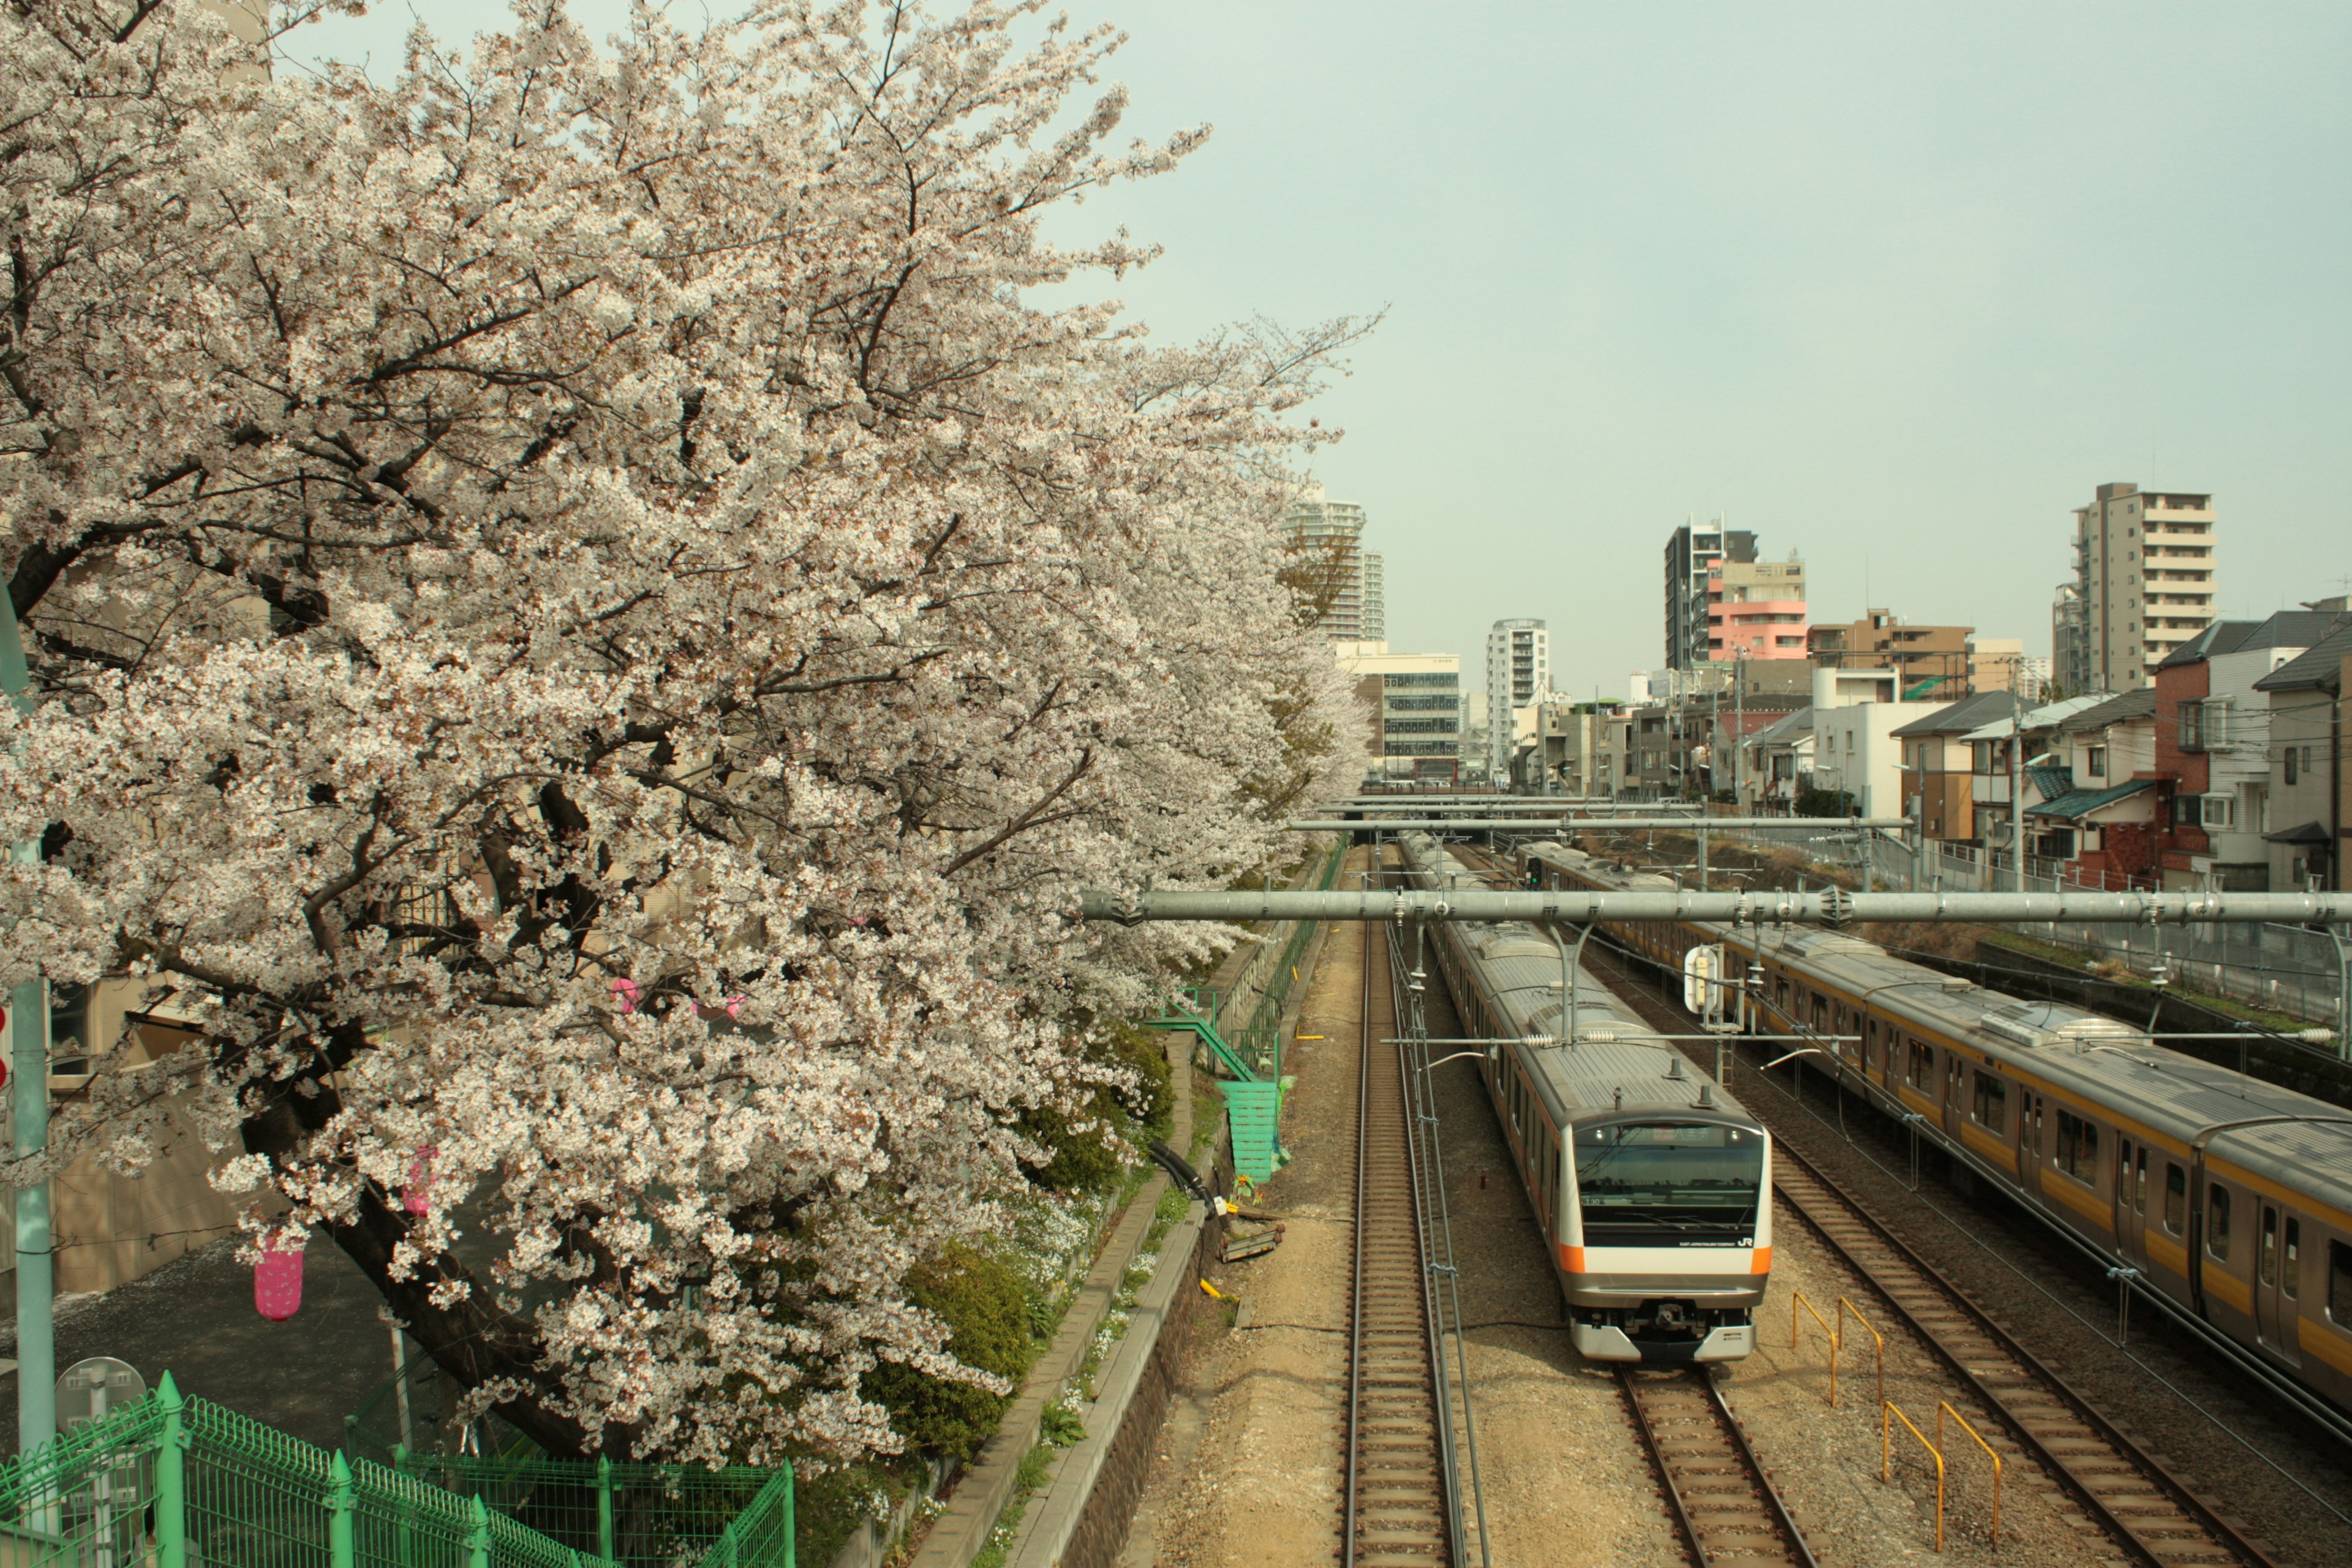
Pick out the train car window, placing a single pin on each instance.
(2217, 1220)
(2266, 1255)
(2293, 1279)
(2140, 1189)
(2176, 1199)
(2339, 1283)
(1991, 1105)
(1921, 1065)
(2078, 1147)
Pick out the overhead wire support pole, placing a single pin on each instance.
(1832, 906)
(1581, 823)
(28, 1031)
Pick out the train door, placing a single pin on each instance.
(1954, 1071)
(2131, 1199)
(2278, 1243)
(2030, 1113)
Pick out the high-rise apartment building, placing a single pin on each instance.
(1693, 554)
(2144, 572)
(1329, 566)
(1518, 673)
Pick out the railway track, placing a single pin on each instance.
(1725, 1507)
(1399, 1512)
(2143, 1507)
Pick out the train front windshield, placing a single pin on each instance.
(1669, 1185)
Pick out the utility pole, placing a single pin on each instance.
(2017, 787)
(28, 1040)
(1739, 734)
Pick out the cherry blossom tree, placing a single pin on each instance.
(590, 614)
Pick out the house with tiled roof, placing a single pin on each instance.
(2104, 808)
(2213, 737)
(2308, 699)
(1939, 766)
(2041, 776)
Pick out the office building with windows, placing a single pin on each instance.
(1415, 704)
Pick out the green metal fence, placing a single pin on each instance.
(641, 1516)
(170, 1482)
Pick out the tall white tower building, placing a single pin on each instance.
(1518, 673)
(1325, 539)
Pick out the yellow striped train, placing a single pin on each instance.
(2231, 1197)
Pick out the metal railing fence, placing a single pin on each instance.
(175, 1482)
(2284, 969)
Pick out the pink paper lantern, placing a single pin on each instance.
(626, 990)
(417, 1196)
(277, 1283)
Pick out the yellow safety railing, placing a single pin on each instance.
(1886, 1457)
(1798, 1303)
(1944, 1410)
(1845, 1308)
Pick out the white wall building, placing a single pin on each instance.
(1856, 715)
(1518, 676)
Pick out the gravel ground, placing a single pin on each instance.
(1826, 1461)
(2261, 1464)
(1248, 1469)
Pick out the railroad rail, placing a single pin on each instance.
(1725, 1507)
(2148, 1511)
(1399, 1509)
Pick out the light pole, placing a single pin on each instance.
(29, 1041)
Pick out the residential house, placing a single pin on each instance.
(1725, 755)
(1776, 765)
(2040, 776)
(2213, 737)
(2310, 787)
(1571, 749)
(2109, 825)
(1940, 765)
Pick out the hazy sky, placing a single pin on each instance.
(1893, 286)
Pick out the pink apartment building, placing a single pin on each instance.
(1757, 610)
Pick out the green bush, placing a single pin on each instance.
(1824, 803)
(986, 1306)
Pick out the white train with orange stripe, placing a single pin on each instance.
(2231, 1196)
(1651, 1184)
